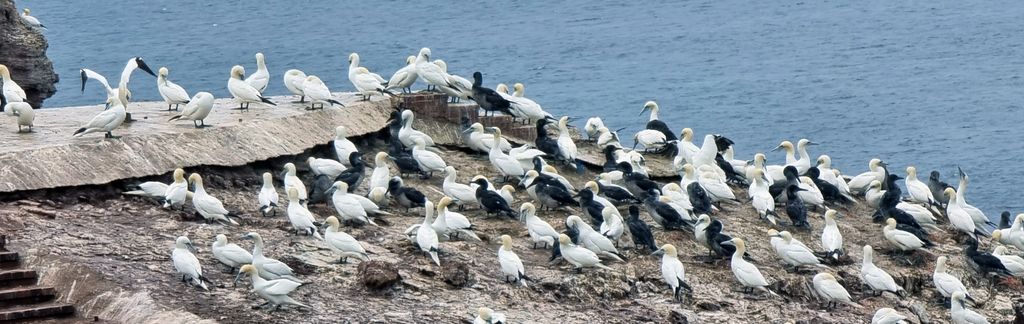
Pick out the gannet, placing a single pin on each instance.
(428, 161)
(348, 205)
(591, 207)
(579, 257)
(612, 226)
(463, 89)
(293, 81)
(960, 314)
(746, 273)
(126, 74)
(12, 92)
(946, 283)
(206, 205)
(525, 155)
(197, 109)
(187, 264)
(381, 173)
(29, 20)
(833, 292)
(873, 194)
(487, 316)
(353, 64)
(480, 141)
(26, 115)
(342, 243)
(673, 272)
(831, 239)
(90, 74)
(958, 217)
(404, 77)
(592, 240)
(639, 232)
(919, 192)
(539, 230)
(328, 167)
(426, 237)
(527, 108)
(230, 254)
(792, 251)
(261, 78)
(1012, 236)
(1012, 263)
(490, 201)
(824, 165)
(804, 162)
(461, 194)
(606, 138)
(342, 146)
(243, 92)
(937, 186)
(449, 224)
(507, 165)
(902, 240)
(268, 197)
(432, 74)
(875, 277)
(886, 315)
(980, 220)
(109, 119)
(366, 82)
(275, 291)
(986, 263)
(177, 191)
(291, 180)
(566, 147)
(303, 221)
(318, 93)
(591, 128)
(760, 198)
(715, 186)
(172, 93)
(654, 124)
(860, 183)
(651, 140)
(511, 267)
(508, 193)
(406, 134)
(678, 199)
(269, 268)
(488, 99)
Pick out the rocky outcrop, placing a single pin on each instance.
(23, 51)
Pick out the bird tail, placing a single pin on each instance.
(267, 101)
(268, 208)
(580, 167)
(175, 118)
(470, 234)
(317, 234)
(381, 212)
(335, 102)
(853, 304)
(370, 220)
(604, 267)
(433, 256)
(292, 278)
(289, 301)
(79, 132)
(136, 193)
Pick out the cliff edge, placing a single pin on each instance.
(23, 50)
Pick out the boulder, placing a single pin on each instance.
(23, 51)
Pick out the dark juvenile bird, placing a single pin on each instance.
(407, 197)
(353, 176)
(318, 191)
(778, 189)
(491, 201)
(715, 238)
(1004, 220)
(795, 208)
(403, 159)
(544, 142)
(829, 191)
(616, 194)
(487, 98)
(590, 207)
(639, 231)
(986, 262)
(610, 163)
(904, 221)
(730, 174)
(938, 187)
(551, 193)
(699, 198)
(637, 184)
(663, 213)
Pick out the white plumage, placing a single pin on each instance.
(302, 219)
(269, 268)
(875, 277)
(328, 167)
(426, 237)
(511, 265)
(342, 146)
(539, 230)
(579, 257)
(230, 254)
(830, 289)
(197, 109)
(259, 79)
(428, 161)
(342, 243)
(206, 205)
(944, 282)
(348, 205)
(293, 81)
(186, 263)
(831, 238)
(460, 193)
(172, 93)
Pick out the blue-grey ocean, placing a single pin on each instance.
(933, 84)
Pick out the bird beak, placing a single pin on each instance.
(883, 164)
(775, 149)
(192, 248)
(813, 143)
(658, 252)
(642, 111)
(729, 242)
(237, 278)
(246, 237)
(144, 67)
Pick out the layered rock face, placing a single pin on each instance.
(23, 51)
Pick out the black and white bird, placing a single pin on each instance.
(488, 99)
(353, 176)
(407, 197)
(491, 201)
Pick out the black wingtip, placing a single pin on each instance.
(335, 102)
(79, 131)
(84, 78)
(175, 118)
(267, 101)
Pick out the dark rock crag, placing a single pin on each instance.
(23, 51)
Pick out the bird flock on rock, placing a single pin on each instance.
(593, 234)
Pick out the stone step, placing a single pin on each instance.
(35, 311)
(18, 277)
(26, 295)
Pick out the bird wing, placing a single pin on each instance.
(541, 228)
(154, 188)
(316, 90)
(276, 267)
(366, 82)
(242, 90)
(236, 254)
(174, 92)
(210, 204)
(280, 287)
(426, 238)
(102, 119)
(186, 263)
